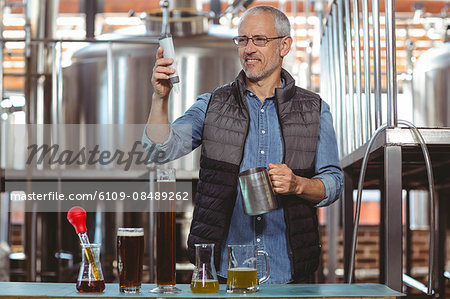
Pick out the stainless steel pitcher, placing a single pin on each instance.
(257, 191)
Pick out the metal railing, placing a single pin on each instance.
(346, 79)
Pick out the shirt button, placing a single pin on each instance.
(262, 110)
(262, 152)
(258, 240)
(258, 218)
(263, 132)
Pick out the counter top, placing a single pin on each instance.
(18, 290)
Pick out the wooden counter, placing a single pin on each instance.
(16, 290)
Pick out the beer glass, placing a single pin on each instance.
(165, 236)
(242, 275)
(130, 256)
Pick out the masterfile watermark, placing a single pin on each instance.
(93, 146)
(112, 196)
(50, 168)
(53, 155)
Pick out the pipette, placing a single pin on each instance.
(77, 217)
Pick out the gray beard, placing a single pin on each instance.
(261, 75)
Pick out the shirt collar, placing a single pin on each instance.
(252, 94)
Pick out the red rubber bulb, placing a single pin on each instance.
(77, 217)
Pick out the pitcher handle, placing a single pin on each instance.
(266, 259)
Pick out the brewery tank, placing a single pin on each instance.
(432, 88)
(431, 105)
(203, 63)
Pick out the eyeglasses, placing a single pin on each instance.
(258, 40)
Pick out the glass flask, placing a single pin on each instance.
(90, 278)
(204, 278)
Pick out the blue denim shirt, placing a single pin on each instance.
(263, 146)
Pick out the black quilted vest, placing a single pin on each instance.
(224, 133)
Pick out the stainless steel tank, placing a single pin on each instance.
(432, 88)
(204, 62)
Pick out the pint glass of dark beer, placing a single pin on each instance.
(130, 256)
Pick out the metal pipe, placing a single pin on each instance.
(55, 119)
(29, 108)
(359, 110)
(409, 46)
(4, 215)
(340, 85)
(308, 41)
(334, 77)
(343, 100)
(282, 5)
(324, 67)
(309, 61)
(332, 230)
(57, 83)
(90, 11)
(337, 79)
(330, 68)
(60, 84)
(376, 61)
(411, 282)
(110, 74)
(331, 82)
(306, 10)
(407, 232)
(350, 77)
(362, 175)
(323, 70)
(318, 7)
(30, 243)
(391, 63)
(433, 204)
(2, 44)
(294, 16)
(165, 17)
(366, 50)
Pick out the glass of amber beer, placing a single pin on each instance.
(242, 274)
(165, 235)
(130, 256)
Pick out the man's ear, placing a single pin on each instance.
(285, 45)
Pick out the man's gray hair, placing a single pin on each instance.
(282, 24)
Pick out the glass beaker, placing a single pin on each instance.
(90, 277)
(204, 278)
